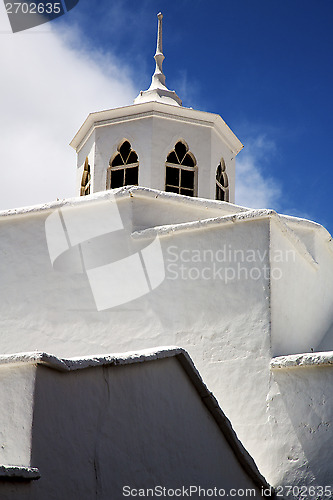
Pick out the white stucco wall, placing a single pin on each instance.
(302, 312)
(16, 410)
(231, 325)
(301, 408)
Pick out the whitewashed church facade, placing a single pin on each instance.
(149, 278)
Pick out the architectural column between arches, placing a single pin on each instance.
(222, 182)
(86, 179)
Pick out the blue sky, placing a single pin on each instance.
(265, 66)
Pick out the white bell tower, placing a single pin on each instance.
(157, 143)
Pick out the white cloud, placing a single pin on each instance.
(49, 84)
(253, 188)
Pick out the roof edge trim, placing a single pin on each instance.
(304, 360)
(157, 107)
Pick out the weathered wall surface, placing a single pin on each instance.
(302, 311)
(99, 429)
(218, 300)
(53, 309)
(301, 409)
(16, 408)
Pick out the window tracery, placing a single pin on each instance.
(181, 170)
(124, 167)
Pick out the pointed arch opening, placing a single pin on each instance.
(181, 170)
(123, 168)
(86, 179)
(222, 183)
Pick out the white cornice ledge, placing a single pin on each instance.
(124, 192)
(305, 360)
(18, 473)
(79, 363)
(247, 215)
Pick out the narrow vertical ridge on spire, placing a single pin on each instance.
(157, 90)
(159, 46)
(158, 78)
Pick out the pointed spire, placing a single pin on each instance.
(158, 77)
(157, 90)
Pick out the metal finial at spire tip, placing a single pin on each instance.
(159, 49)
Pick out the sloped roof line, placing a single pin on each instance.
(145, 192)
(118, 193)
(166, 229)
(146, 355)
(244, 216)
(236, 213)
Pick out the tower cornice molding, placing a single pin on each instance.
(155, 109)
